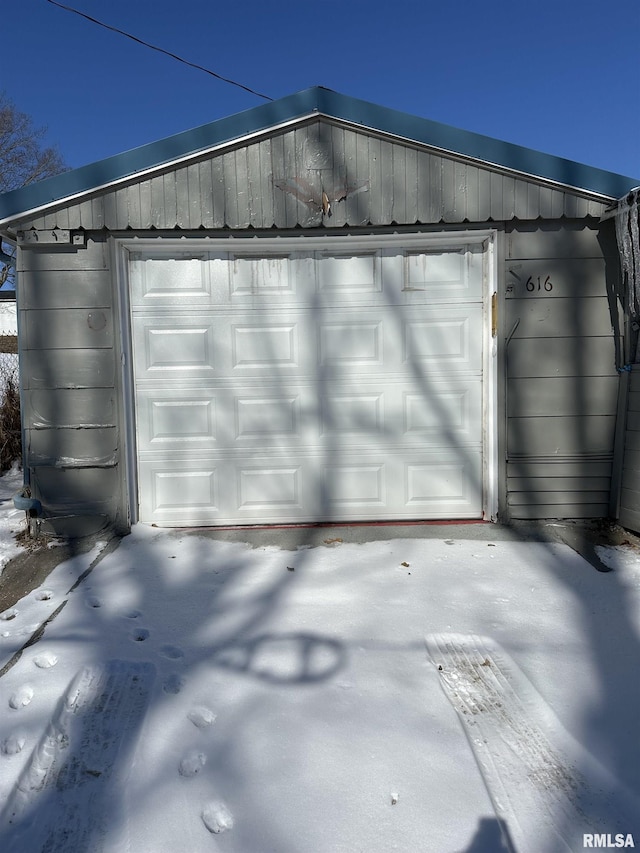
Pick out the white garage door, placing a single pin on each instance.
(308, 386)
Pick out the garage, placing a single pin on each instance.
(301, 385)
(322, 310)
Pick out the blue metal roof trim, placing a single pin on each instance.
(479, 147)
(154, 154)
(329, 103)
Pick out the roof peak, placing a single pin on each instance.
(298, 106)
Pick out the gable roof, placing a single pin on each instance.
(316, 101)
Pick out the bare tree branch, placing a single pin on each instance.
(23, 160)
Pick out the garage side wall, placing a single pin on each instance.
(561, 378)
(629, 510)
(68, 369)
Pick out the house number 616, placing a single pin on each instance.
(538, 284)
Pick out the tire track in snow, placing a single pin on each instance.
(546, 788)
(64, 798)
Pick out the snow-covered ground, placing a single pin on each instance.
(415, 695)
(12, 520)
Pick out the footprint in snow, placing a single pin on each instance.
(93, 601)
(201, 717)
(13, 744)
(21, 698)
(132, 614)
(173, 684)
(171, 652)
(8, 615)
(44, 595)
(139, 635)
(217, 817)
(46, 660)
(192, 764)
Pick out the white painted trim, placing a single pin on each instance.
(425, 241)
(306, 242)
(489, 386)
(120, 260)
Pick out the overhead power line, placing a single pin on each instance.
(158, 49)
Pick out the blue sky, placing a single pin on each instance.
(560, 76)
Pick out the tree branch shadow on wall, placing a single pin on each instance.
(607, 622)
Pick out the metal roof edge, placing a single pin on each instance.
(324, 101)
(153, 168)
(516, 158)
(119, 167)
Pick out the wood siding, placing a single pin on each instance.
(277, 182)
(69, 378)
(561, 382)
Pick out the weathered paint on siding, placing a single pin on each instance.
(277, 182)
(561, 380)
(69, 378)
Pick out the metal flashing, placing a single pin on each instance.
(297, 107)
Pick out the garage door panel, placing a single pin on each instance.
(440, 485)
(439, 410)
(252, 279)
(269, 277)
(272, 487)
(262, 417)
(261, 346)
(162, 280)
(222, 491)
(403, 484)
(361, 414)
(445, 275)
(185, 420)
(306, 387)
(343, 276)
(450, 337)
(316, 487)
(169, 349)
(301, 414)
(352, 343)
(185, 423)
(197, 345)
(355, 487)
(359, 344)
(365, 343)
(178, 492)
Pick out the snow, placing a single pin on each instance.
(8, 318)
(412, 695)
(12, 520)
